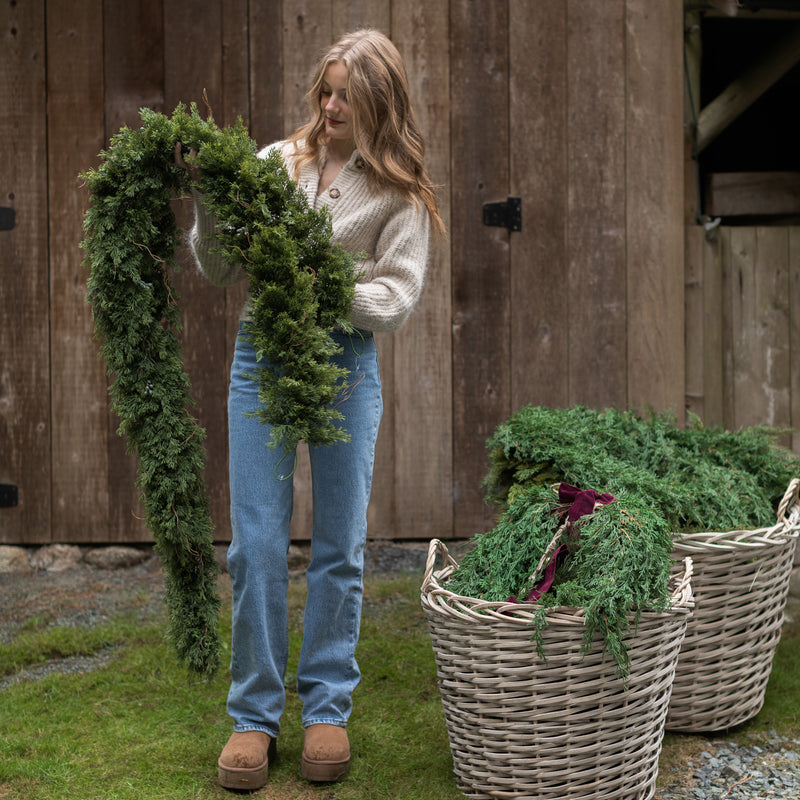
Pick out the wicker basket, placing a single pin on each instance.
(563, 729)
(740, 584)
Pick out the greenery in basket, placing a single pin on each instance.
(617, 564)
(699, 478)
(301, 287)
(666, 480)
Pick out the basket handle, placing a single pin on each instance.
(435, 548)
(546, 556)
(790, 498)
(550, 549)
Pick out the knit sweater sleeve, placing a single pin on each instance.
(391, 282)
(205, 246)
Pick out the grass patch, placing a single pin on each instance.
(36, 645)
(141, 728)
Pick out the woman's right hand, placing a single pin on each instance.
(192, 170)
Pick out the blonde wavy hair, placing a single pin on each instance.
(386, 134)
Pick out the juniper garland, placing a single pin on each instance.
(618, 565)
(301, 284)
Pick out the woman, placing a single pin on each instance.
(361, 155)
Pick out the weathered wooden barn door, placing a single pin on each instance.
(576, 109)
(742, 256)
(573, 107)
(412, 486)
(73, 75)
(103, 62)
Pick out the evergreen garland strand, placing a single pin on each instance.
(301, 285)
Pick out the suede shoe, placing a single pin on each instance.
(326, 753)
(245, 759)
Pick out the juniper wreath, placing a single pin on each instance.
(301, 287)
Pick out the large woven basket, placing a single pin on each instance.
(740, 584)
(563, 729)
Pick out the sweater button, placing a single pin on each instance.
(335, 193)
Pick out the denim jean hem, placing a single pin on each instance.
(247, 728)
(340, 723)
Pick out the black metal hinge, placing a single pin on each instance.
(9, 496)
(505, 214)
(6, 218)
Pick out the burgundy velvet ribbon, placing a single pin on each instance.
(581, 502)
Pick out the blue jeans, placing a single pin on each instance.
(261, 509)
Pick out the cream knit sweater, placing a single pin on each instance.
(393, 231)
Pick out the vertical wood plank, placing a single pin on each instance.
(24, 308)
(743, 383)
(234, 99)
(423, 399)
(133, 42)
(79, 411)
(266, 37)
(714, 334)
(794, 332)
(654, 204)
(307, 31)
(596, 288)
(383, 507)
(760, 260)
(722, 239)
(539, 317)
(694, 329)
(481, 282)
(348, 15)
(133, 69)
(693, 44)
(191, 68)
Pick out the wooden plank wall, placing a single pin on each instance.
(743, 327)
(573, 106)
(24, 292)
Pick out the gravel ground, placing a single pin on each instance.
(84, 595)
(80, 596)
(725, 770)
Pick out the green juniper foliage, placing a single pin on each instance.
(667, 480)
(699, 478)
(617, 565)
(301, 284)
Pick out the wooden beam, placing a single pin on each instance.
(727, 8)
(721, 9)
(731, 194)
(738, 96)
